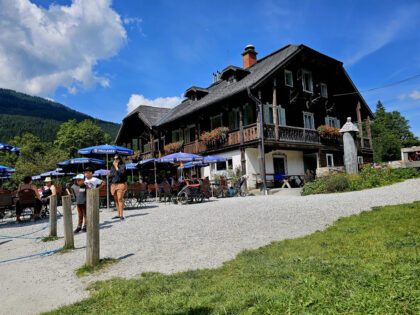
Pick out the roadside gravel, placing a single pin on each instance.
(172, 238)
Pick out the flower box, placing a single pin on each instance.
(328, 132)
(173, 147)
(215, 137)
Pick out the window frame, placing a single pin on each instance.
(312, 120)
(327, 155)
(326, 90)
(286, 72)
(213, 117)
(304, 87)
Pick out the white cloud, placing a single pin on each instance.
(42, 49)
(138, 99)
(415, 95)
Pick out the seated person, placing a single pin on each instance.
(49, 190)
(69, 191)
(27, 184)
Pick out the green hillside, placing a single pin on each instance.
(21, 113)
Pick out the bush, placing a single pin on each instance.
(369, 177)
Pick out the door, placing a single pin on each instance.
(279, 165)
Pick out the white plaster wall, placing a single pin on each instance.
(236, 162)
(294, 162)
(252, 166)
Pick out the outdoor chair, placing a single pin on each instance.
(6, 202)
(27, 201)
(206, 188)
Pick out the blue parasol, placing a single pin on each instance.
(101, 172)
(213, 159)
(74, 165)
(6, 169)
(106, 149)
(181, 157)
(8, 147)
(193, 164)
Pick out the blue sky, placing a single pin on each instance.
(98, 58)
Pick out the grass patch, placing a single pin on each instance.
(51, 238)
(368, 263)
(82, 271)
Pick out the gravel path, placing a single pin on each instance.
(171, 238)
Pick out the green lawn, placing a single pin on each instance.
(368, 263)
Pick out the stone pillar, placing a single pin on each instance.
(275, 110)
(359, 123)
(350, 149)
(368, 132)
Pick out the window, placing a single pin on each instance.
(230, 163)
(249, 114)
(175, 135)
(308, 120)
(288, 78)
(268, 114)
(307, 81)
(332, 122)
(221, 166)
(234, 119)
(216, 121)
(330, 160)
(360, 159)
(324, 92)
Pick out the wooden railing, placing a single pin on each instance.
(292, 134)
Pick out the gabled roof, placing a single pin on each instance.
(195, 89)
(221, 89)
(233, 69)
(150, 115)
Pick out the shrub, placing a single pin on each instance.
(335, 183)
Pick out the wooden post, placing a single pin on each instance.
(152, 144)
(359, 123)
(68, 222)
(53, 215)
(92, 235)
(369, 132)
(275, 110)
(241, 125)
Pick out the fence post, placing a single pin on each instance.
(68, 222)
(92, 235)
(53, 215)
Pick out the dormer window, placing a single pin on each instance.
(288, 78)
(231, 79)
(195, 93)
(324, 92)
(307, 81)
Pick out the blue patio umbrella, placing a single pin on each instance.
(144, 164)
(6, 169)
(37, 177)
(214, 159)
(192, 164)
(8, 147)
(106, 149)
(74, 165)
(181, 157)
(101, 172)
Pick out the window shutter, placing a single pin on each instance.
(326, 120)
(231, 120)
(267, 114)
(337, 123)
(181, 135)
(282, 116)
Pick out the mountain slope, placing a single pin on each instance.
(21, 113)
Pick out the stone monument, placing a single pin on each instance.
(350, 149)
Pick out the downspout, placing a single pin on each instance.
(262, 151)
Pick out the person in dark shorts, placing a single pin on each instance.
(80, 191)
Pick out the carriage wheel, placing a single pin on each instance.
(183, 198)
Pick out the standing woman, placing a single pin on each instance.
(118, 179)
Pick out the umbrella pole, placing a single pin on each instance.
(107, 184)
(156, 194)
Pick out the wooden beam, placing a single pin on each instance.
(359, 123)
(275, 110)
(368, 132)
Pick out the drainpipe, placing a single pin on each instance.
(262, 151)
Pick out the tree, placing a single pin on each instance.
(390, 133)
(73, 136)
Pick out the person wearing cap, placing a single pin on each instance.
(79, 189)
(48, 191)
(90, 181)
(118, 179)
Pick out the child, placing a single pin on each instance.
(92, 182)
(80, 191)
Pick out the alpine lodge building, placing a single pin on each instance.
(279, 114)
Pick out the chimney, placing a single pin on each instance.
(249, 56)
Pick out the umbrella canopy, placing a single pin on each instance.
(106, 149)
(74, 165)
(100, 172)
(37, 177)
(56, 173)
(131, 166)
(192, 164)
(181, 157)
(213, 159)
(8, 147)
(6, 169)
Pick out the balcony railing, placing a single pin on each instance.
(292, 134)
